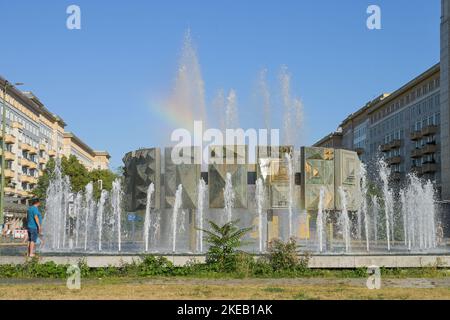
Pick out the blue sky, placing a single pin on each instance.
(100, 79)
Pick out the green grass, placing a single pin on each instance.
(151, 266)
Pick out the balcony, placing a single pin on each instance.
(27, 163)
(9, 156)
(429, 130)
(416, 153)
(9, 173)
(395, 160)
(429, 168)
(416, 135)
(395, 144)
(52, 153)
(429, 149)
(385, 147)
(42, 147)
(25, 147)
(17, 125)
(42, 161)
(9, 139)
(28, 179)
(24, 194)
(10, 191)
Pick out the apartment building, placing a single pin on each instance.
(33, 136)
(409, 127)
(403, 127)
(91, 159)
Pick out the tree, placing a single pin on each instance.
(224, 242)
(106, 176)
(78, 174)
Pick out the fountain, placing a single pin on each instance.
(147, 221)
(291, 194)
(231, 113)
(229, 197)
(344, 220)
(200, 216)
(260, 195)
(364, 207)
(176, 208)
(375, 211)
(101, 208)
(116, 203)
(76, 210)
(418, 210)
(82, 223)
(320, 219)
(385, 172)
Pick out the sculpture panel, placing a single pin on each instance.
(347, 166)
(141, 168)
(317, 173)
(186, 173)
(223, 160)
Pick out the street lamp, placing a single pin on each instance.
(6, 86)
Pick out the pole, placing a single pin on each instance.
(2, 183)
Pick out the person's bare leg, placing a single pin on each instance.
(32, 245)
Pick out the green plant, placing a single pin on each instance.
(224, 242)
(283, 256)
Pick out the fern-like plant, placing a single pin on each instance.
(224, 242)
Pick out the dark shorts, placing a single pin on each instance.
(32, 235)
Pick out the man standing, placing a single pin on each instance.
(34, 226)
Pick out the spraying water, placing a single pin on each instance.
(200, 216)
(263, 89)
(344, 220)
(147, 219)
(320, 219)
(385, 172)
(293, 110)
(231, 113)
(375, 212)
(100, 210)
(54, 223)
(291, 194)
(77, 210)
(116, 203)
(364, 205)
(260, 195)
(188, 96)
(418, 207)
(229, 197)
(176, 209)
(89, 199)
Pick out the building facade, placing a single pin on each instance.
(403, 127)
(33, 136)
(410, 127)
(91, 159)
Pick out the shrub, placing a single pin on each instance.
(224, 242)
(283, 255)
(155, 266)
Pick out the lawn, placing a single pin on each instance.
(233, 289)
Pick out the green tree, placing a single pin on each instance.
(106, 176)
(224, 242)
(78, 174)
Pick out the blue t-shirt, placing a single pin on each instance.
(31, 213)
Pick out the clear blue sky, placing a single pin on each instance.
(100, 79)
